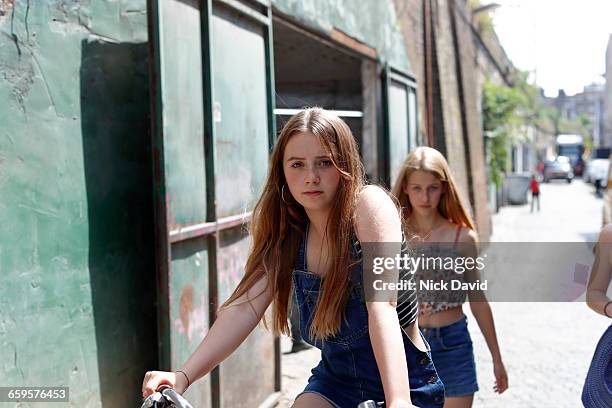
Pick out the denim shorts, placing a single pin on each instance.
(453, 355)
(348, 373)
(597, 391)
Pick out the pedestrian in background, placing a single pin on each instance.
(306, 228)
(436, 216)
(534, 187)
(540, 170)
(597, 390)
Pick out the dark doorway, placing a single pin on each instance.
(311, 71)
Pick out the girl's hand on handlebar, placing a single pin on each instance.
(401, 404)
(154, 379)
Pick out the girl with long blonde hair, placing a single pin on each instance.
(306, 231)
(436, 218)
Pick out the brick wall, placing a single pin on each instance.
(456, 89)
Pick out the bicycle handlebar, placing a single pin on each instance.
(370, 404)
(165, 397)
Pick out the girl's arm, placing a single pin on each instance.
(232, 326)
(601, 274)
(377, 220)
(482, 312)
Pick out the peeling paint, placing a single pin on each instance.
(186, 306)
(76, 18)
(198, 327)
(21, 78)
(5, 8)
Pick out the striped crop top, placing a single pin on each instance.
(407, 304)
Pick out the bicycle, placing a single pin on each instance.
(371, 404)
(165, 397)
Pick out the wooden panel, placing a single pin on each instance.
(214, 101)
(251, 366)
(240, 111)
(181, 185)
(189, 310)
(182, 111)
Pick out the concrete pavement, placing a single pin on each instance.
(547, 347)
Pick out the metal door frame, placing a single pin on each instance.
(212, 226)
(389, 74)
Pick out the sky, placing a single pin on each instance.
(561, 42)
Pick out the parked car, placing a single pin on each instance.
(560, 168)
(597, 171)
(595, 167)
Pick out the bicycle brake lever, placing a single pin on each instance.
(151, 400)
(176, 398)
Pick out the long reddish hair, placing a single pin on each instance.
(279, 223)
(451, 206)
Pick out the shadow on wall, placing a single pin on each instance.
(117, 158)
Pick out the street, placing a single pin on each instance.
(546, 347)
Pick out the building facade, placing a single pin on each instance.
(454, 58)
(588, 104)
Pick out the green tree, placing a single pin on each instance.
(506, 111)
(498, 112)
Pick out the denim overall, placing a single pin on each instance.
(347, 373)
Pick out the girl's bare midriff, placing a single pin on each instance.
(441, 319)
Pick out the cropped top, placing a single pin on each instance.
(436, 286)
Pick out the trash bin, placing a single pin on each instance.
(517, 187)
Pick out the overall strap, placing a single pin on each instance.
(300, 263)
(356, 256)
(457, 235)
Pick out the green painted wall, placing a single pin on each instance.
(373, 22)
(77, 280)
(77, 291)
